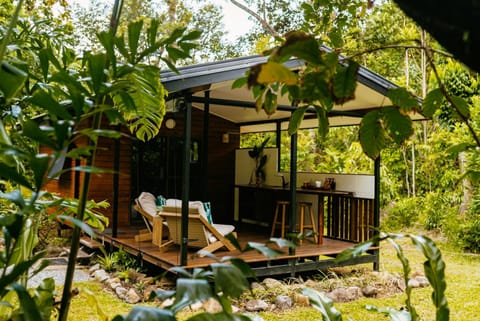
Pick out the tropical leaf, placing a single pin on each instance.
(222, 316)
(147, 314)
(190, 291)
(434, 269)
(432, 102)
(323, 124)
(345, 82)
(355, 251)
(372, 135)
(273, 72)
(146, 93)
(461, 106)
(12, 80)
(29, 310)
(458, 148)
(263, 249)
(301, 45)
(229, 280)
(403, 99)
(296, 119)
(323, 304)
(398, 125)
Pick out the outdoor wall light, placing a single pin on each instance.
(226, 136)
(170, 123)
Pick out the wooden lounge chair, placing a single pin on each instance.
(201, 234)
(145, 205)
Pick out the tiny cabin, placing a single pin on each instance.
(197, 157)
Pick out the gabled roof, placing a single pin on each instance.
(238, 105)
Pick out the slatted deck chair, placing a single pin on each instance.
(145, 205)
(201, 234)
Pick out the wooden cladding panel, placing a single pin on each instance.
(349, 218)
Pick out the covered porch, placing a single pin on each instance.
(201, 97)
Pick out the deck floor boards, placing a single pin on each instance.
(171, 257)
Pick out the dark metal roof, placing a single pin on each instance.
(217, 77)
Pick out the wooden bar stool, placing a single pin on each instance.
(303, 206)
(283, 205)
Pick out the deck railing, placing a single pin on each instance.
(349, 218)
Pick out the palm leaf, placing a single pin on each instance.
(143, 105)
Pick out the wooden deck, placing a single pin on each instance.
(306, 257)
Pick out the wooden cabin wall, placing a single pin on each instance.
(220, 169)
(101, 187)
(221, 161)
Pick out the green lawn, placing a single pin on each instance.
(463, 289)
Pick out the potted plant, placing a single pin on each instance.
(258, 174)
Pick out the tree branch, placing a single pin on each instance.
(262, 21)
(399, 46)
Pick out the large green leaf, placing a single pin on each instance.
(229, 280)
(190, 291)
(461, 106)
(147, 94)
(432, 102)
(403, 99)
(11, 173)
(345, 82)
(296, 119)
(46, 101)
(33, 131)
(12, 80)
(40, 165)
(274, 72)
(5, 157)
(263, 249)
(96, 69)
(323, 125)
(28, 309)
(270, 103)
(44, 296)
(434, 269)
(355, 251)
(301, 45)
(398, 125)
(222, 316)
(372, 135)
(323, 304)
(143, 313)
(395, 315)
(134, 31)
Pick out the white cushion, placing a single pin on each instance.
(172, 202)
(148, 203)
(224, 229)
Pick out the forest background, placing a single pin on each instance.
(426, 181)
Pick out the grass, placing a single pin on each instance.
(463, 287)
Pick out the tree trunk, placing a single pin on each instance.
(405, 160)
(467, 187)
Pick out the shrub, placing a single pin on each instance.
(437, 206)
(469, 235)
(402, 214)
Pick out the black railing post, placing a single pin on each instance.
(186, 178)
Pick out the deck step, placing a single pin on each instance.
(90, 243)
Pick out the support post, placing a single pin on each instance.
(278, 142)
(376, 209)
(116, 170)
(293, 184)
(187, 137)
(204, 162)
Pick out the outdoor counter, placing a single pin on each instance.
(257, 203)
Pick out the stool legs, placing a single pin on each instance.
(302, 206)
(282, 204)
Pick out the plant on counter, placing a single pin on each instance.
(258, 175)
